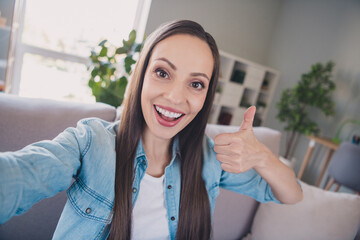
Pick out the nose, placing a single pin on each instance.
(176, 93)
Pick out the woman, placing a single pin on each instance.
(153, 175)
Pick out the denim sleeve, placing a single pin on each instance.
(40, 170)
(248, 183)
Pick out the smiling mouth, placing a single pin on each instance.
(168, 115)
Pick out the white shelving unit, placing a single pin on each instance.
(242, 83)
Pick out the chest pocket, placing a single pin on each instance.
(89, 204)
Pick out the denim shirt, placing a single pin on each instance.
(87, 155)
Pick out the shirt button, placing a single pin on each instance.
(88, 210)
(134, 190)
(144, 162)
(169, 186)
(172, 218)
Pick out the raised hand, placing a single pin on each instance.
(240, 151)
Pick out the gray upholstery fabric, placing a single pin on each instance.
(24, 121)
(345, 166)
(233, 215)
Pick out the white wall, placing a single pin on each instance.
(243, 28)
(313, 31)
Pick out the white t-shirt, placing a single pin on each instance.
(149, 216)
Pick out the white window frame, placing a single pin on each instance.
(141, 16)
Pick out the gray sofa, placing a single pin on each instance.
(23, 121)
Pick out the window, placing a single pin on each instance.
(57, 38)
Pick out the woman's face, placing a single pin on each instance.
(175, 84)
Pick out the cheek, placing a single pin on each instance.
(198, 103)
(147, 89)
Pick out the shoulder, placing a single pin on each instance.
(88, 131)
(94, 125)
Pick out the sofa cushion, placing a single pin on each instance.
(321, 215)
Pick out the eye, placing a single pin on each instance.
(161, 73)
(197, 85)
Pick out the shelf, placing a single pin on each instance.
(225, 115)
(242, 83)
(257, 120)
(239, 73)
(248, 98)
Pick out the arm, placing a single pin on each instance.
(241, 151)
(39, 170)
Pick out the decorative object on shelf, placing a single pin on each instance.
(238, 76)
(225, 117)
(313, 90)
(265, 85)
(260, 106)
(111, 68)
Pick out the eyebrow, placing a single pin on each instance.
(168, 62)
(200, 74)
(195, 74)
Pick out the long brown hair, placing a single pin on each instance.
(194, 215)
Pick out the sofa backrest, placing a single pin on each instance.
(27, 120)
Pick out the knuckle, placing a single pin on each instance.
(218, 138)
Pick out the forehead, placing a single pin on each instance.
(186, 52)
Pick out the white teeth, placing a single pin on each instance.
(167, 113)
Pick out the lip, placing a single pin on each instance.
(162, 121)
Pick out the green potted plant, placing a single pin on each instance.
(312, 91)
(111, 68)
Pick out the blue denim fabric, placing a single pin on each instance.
(87, 155)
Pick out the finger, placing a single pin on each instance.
(228, 168)
(248, 118)
(223, 138)
(224, 158)
(230, 150)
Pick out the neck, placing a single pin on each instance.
(157, 151)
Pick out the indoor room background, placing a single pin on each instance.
(286, 35)
(289, 36)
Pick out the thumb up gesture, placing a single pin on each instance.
(240, 151)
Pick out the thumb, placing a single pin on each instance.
(248, 118)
